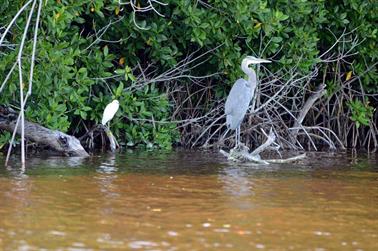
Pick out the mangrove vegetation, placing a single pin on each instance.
(171, 64)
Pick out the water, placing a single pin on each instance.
(189, 201)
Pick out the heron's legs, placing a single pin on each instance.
(238, 135)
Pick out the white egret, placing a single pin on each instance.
(240, 96)
(110, 111)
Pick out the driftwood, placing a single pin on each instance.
(56, 140)
(241, 153)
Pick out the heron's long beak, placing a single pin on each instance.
(254, 60)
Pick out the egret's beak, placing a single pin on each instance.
(253, 60)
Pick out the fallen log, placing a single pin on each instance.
(56, 140)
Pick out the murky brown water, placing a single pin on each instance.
(189, 201)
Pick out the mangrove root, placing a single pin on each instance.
(88, 139)
(320, 91)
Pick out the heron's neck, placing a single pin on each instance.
(250, 73)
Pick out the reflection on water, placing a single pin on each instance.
(189, 201)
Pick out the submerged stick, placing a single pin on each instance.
(288, 160)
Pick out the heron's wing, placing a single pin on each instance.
(239, 97)
(237, 102)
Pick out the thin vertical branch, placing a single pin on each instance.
(21, 113)
(21, 85)
(34, 49)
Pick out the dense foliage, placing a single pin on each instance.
(90, 52)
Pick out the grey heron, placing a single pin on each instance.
(240, 96)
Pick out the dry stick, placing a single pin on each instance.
(331, 144)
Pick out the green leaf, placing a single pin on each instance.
(106, 51)
(119, 90)
(120, 71)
